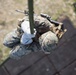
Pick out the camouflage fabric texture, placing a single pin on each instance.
(20, 50)
(47, 40)
(41, 24)
(11, 39)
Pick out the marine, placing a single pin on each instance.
(45, 38)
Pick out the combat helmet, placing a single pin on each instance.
(41, 24)
(48, 41)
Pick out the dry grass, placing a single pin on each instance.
(8, 15)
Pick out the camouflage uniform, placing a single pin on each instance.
(20, 50)
(46, 39)
(11, 39)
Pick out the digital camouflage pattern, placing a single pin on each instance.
(41, 24)
(48, 41)
(20, 50)
(46, 38)
(11, 39)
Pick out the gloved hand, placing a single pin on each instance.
(27, 36)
